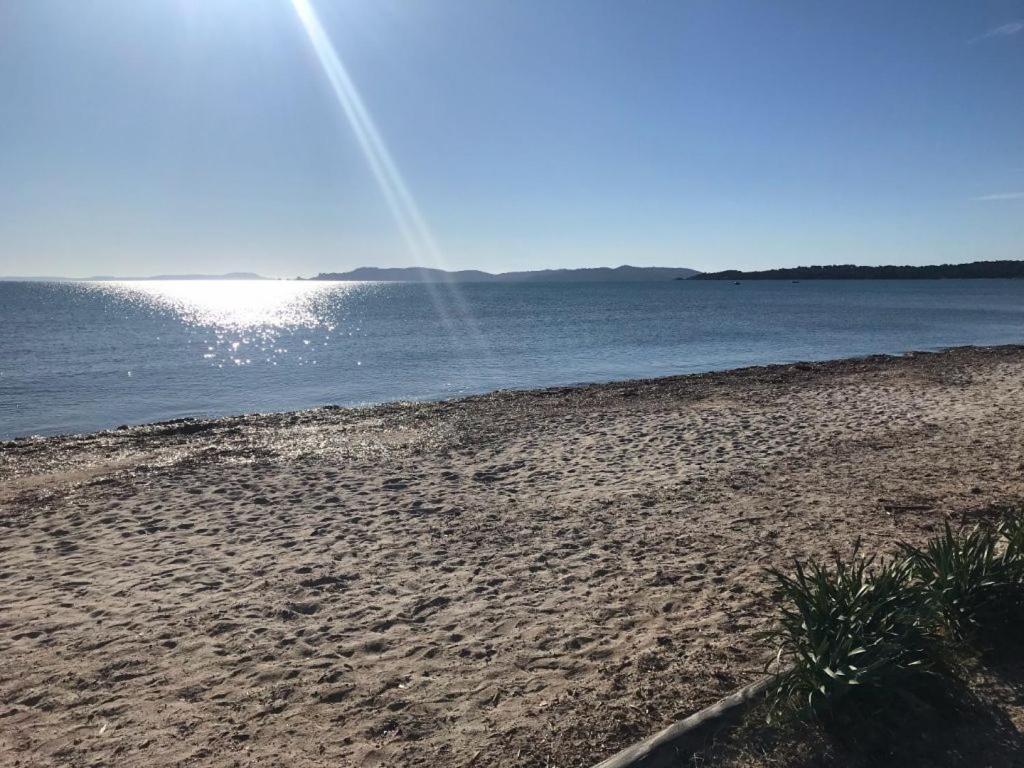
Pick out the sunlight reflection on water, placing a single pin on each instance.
(234, 304)
(245, 321)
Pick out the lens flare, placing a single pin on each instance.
(404, 209)
(401, 202)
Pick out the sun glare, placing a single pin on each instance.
(403, 206)
(230, 304)
(417, 235)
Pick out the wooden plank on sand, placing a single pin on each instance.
(666, 748)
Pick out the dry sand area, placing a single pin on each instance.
(518, 579)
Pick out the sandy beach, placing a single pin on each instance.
(517, 579)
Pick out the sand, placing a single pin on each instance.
(517, 579)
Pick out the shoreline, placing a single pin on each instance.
(185, 424)
(508, 578)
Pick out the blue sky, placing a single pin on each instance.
(204, 135)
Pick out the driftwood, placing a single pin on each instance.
(673, 745)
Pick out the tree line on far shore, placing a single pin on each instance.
(976, 269)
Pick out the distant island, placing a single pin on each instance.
(225, 276)
(976, 269)
(101, 278)
(621, 274)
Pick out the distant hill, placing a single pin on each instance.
(227, 276)
(621, 274)
(976, 269)
(408, 274)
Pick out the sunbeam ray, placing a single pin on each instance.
(400, 201)
(396, 192)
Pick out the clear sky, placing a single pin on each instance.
(154, 136)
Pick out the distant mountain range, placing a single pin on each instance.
(227, 276)
(621, 274)
(976, 269)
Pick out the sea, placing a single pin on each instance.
(86, 356)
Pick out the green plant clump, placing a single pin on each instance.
(856, 624)
(866, 625)
(1011, 531)
(961, 578)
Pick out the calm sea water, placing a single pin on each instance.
(84, 356)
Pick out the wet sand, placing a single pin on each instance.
(517, 579)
